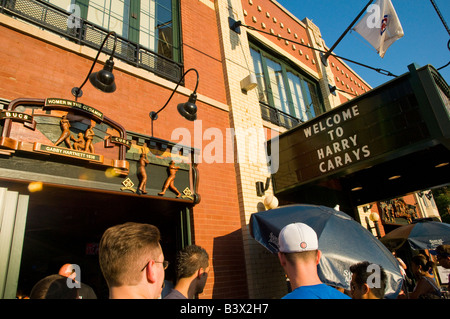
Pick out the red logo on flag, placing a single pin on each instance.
(384, 23)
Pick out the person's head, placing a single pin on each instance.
(68, 270)
(192, 262)
(368, 281)
(420, 265)
(298, 244)
(442, 253)
(130, 255)
(53, 287)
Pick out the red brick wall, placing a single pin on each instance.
(341, 74)
(284, 25)
(201, 48)
(274, 18)
(217, 225)
(36, 69)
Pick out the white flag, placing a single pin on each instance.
(380, 26)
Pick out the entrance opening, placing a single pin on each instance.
(65, 226)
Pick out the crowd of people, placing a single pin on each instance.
(133, 265)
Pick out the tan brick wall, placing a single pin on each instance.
(325, 75)
(245, 117)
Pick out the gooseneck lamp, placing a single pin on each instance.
(188, 109)
(103, 79)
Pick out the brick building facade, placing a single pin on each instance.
(258, 109)
(41, 59)
(38, 63)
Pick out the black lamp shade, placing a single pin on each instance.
(104, 79)
(189, 110)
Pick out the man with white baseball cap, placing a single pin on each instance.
(299, 255)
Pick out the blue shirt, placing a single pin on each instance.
(320, 291)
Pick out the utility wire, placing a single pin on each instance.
(444, 66)
(446, 28)
(440, 16)
(379, 70)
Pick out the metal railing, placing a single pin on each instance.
(278, 117)
(63, 23)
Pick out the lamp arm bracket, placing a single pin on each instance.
(174, 90)
(78, 90)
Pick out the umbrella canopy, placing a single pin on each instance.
(342, 240)
(421, 235)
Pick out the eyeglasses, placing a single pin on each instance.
(165, 264)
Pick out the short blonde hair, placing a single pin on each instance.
(304, 256)
(124, 249)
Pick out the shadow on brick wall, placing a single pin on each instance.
(230, 279)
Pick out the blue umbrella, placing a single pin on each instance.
(342, 240)
(420, 235)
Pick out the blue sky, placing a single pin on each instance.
(424, 42)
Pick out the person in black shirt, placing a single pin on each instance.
(192, 269)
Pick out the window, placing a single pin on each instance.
(286, 96)
(154, 24)
(424, 201)
(295, 86)
(276, 84)
(113, 15)
(257, 63)
(69, 19)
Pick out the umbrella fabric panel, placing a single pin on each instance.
(355, 244)
(264, 234)
(429, 235)
(342, 240)
(265, 226)
(421, 235)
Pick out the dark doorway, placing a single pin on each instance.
(65, 226)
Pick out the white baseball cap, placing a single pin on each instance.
(297, 237)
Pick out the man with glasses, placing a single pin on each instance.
(132, 261)
(192, 272)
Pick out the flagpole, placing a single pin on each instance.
(327, 54)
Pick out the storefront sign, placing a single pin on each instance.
(50, 149)
(378, 126)
(52, 102)
(343, 148)
(67, 143)
(17, 116)
(119, 140)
